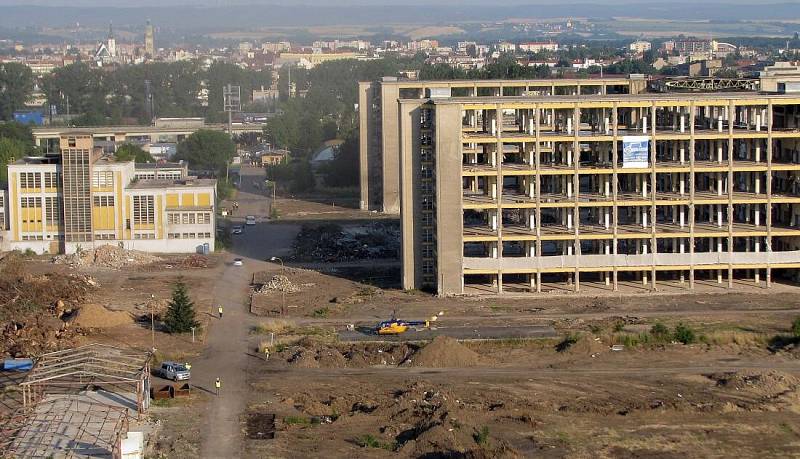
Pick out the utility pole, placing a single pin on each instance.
(148, 94)
(231, 102)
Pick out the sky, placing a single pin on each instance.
(130, 3)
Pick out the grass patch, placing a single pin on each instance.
(371, 441)
(481, 437)
(321, 313)
(163, 402)
(297, 421)
(272, 326)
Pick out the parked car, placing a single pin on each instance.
(238, 262)
(238, 229)
(174, 371)
(250, 220)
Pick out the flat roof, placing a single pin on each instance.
(597, 80)
(161, 165)
(608, 98)
(181, 183)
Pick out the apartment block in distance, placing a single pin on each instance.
(613, 192)
(81, 198)
(378, 117)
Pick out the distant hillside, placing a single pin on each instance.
(216, 18)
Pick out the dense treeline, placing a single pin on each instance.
(327, 111)
(505, 67)
(103, 96)
(16, 84)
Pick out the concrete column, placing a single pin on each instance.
(644, 217)
(719, 250)
(719, 216)
(683, 126)
(569, 125)
(683, 217)
(569, 222)
(719, 152)
(644, 124)
(757, 248)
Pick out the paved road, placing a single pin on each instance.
(229, 347)
(462, 333)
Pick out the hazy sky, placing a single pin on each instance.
(133, 3)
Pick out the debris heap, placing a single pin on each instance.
(281, 283)
(107, 256)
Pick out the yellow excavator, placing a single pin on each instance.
(395, 326)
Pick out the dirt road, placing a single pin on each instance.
(228, 352)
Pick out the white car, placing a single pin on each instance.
(238, 262)
(250, 220)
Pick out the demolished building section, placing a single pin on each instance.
(528, 194)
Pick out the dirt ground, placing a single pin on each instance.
(734, 390)
(524, 399)
(733, 387)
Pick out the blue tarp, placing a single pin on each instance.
(18, 364)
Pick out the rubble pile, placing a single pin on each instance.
(418, 419)
(35, 309)
(331, 242)
(442, 352)
(310, 353)
(281, 283)
(107, 256)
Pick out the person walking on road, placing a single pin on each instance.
(217, 385)
(219, 310)
(266, 353)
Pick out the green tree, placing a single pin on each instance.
(684, 334)
(17, 131)
(80, 86)
(16, 84)
(10, 149)
(131, 152)
(180, 317)
(343, 171)
(207, 150)
(796, 328)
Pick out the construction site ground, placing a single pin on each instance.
(338, 390)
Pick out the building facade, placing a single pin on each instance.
(80, 198)
(378, 117)
(532, 194)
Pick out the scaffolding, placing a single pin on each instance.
(89, 367)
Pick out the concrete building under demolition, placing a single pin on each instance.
(612, 189)
(378, 117)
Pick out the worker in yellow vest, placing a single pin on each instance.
(219, 310)
(218, 385)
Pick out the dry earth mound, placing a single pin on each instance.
(97, 316)
(443, 352)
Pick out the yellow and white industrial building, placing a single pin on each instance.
(81, 198)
